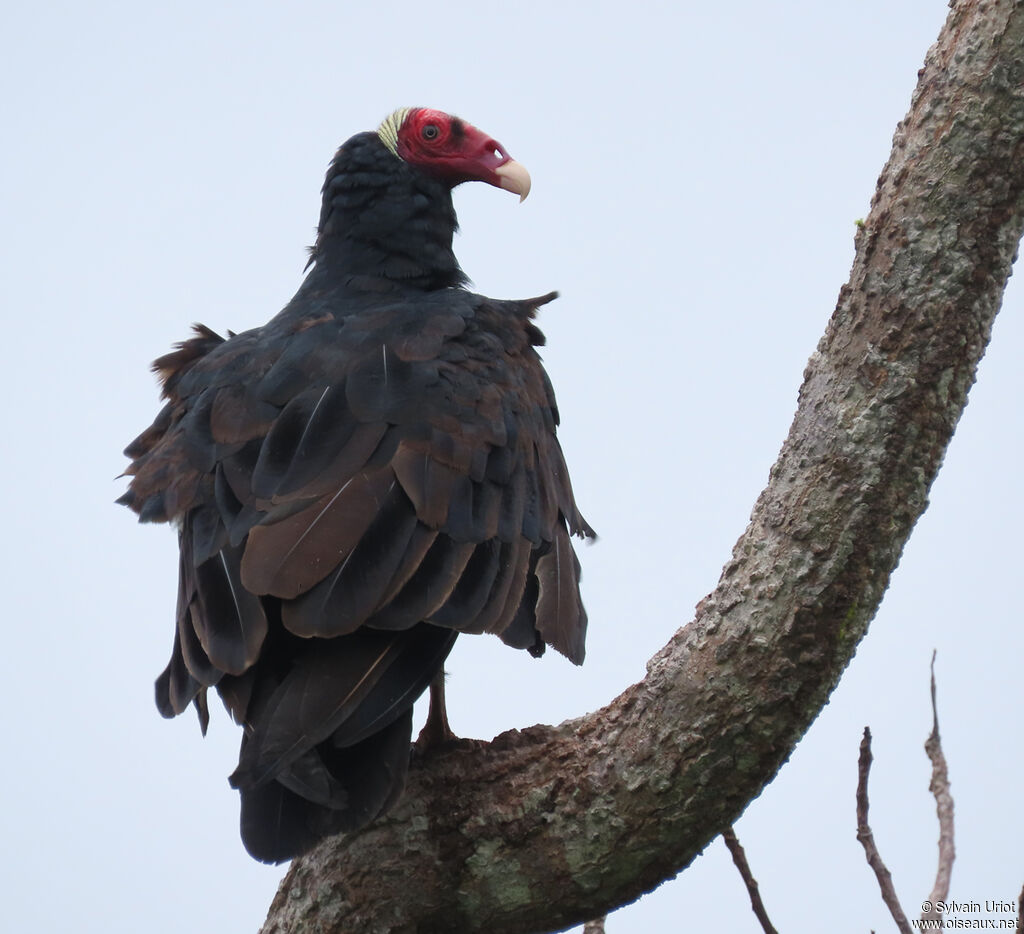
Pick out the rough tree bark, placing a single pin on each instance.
(550, 826)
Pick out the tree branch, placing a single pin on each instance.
(740, 859)
(867, 838)
(939, 786)
(547, 827)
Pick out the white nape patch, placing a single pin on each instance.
(388, 130)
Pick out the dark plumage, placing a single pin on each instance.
(372, 472)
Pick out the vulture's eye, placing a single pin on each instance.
(430, 132)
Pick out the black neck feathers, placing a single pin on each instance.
(383, 222)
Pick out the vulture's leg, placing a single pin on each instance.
(436, 731)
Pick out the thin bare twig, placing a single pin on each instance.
(740, 859)
(867, 839)
(596, 926)
(939, 786)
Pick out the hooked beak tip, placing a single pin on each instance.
(512, 176)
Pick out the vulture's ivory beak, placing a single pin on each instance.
(514, 178)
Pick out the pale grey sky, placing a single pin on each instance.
(697, 174)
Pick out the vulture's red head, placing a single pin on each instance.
(451, 149)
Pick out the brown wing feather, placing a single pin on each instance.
(228, 618)
(286, 558)
(561, 619)
(428, 587)
(346, 598)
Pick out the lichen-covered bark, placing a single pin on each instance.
(550, 826)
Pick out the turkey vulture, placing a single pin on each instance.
(354, 484)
